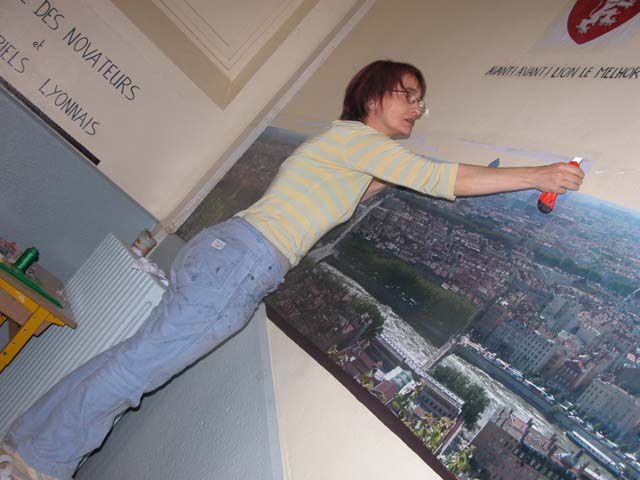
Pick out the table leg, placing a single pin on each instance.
(23, 335)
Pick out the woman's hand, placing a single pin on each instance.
(558, 178)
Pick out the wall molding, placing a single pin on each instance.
(202, 52)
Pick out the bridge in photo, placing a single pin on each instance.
(445, 350)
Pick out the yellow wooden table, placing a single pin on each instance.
(30, 310)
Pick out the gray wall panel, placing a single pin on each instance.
(53, 198)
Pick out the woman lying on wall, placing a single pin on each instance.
(221, 275)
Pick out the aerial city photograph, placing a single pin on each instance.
(505, 339)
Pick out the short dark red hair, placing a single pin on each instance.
(372, 83)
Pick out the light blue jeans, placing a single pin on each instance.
(216, 283)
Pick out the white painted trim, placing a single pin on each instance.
(178, 219)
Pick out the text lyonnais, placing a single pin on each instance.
(69, 106)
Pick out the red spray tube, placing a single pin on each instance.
(547, 200)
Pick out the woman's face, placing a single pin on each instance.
(394, 116)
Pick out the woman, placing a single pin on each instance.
(220, 276)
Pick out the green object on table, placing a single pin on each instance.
(28, 257)
(12, 270)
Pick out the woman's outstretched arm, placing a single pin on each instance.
(476, 180)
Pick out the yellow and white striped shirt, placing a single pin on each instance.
(320, 184)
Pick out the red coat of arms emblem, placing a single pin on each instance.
(591, 19)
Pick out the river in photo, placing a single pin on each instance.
(416, 350)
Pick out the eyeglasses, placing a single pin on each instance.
(413, 99)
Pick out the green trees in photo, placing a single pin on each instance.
(474, 396)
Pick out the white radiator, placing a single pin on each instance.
(109, 301)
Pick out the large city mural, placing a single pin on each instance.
(506, 340)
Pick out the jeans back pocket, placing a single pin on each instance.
(210, 263)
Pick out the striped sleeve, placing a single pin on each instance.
(379, 156)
